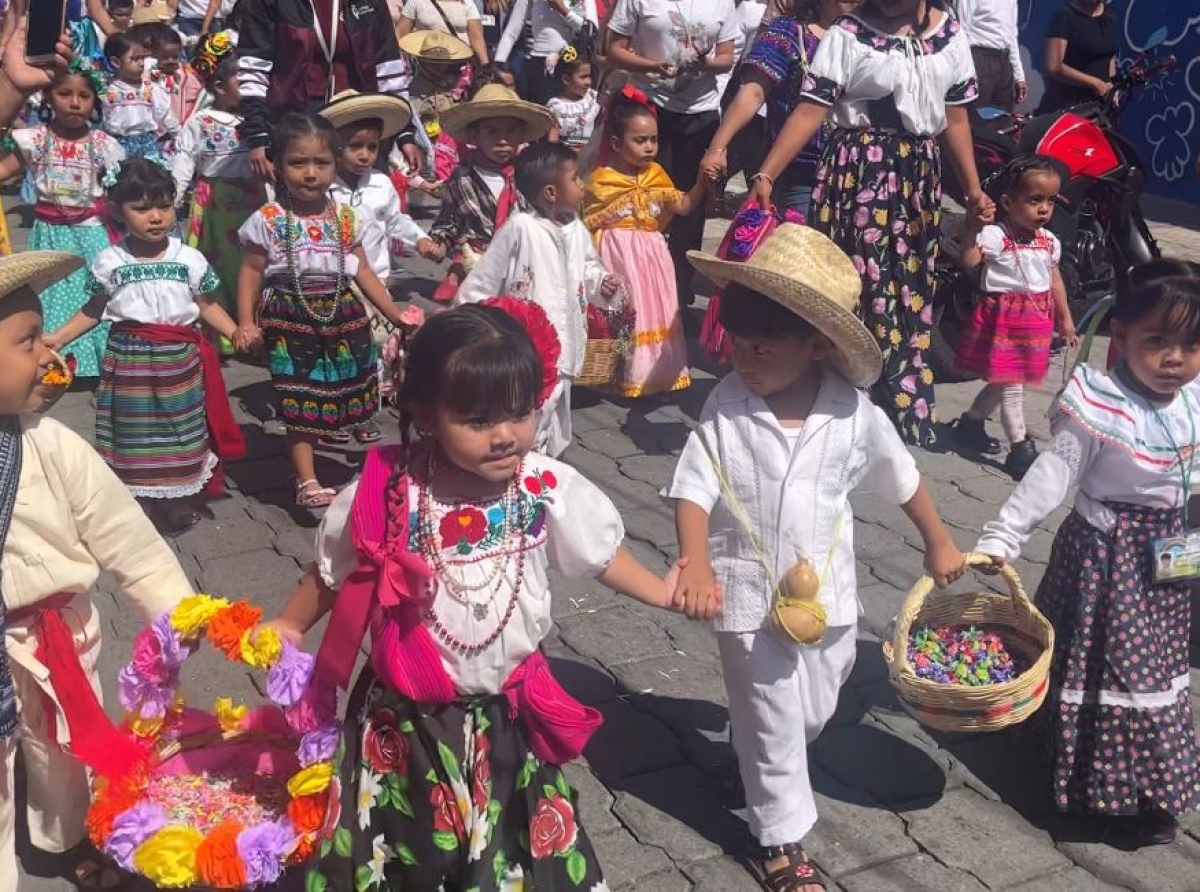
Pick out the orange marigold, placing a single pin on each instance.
(217, 858)
(308, 812)
(227, 626)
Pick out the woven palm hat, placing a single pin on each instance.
(497, 101)
(351, 106)
(435, 46)
(804, 271)
(37, 270)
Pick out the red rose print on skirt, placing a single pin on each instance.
(552, 829)
(385, 747)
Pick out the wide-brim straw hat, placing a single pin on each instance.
(497, 101)
(351, 106)
(37, 270)
(804, 271)
(435, 46)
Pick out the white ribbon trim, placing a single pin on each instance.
(1131, 700)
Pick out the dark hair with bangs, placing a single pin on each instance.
(747, 314)
(1177, 298)
(474, 361)
(142, 180)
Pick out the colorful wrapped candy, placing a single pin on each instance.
(962, 656)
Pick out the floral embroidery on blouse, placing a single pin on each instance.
(468, 529)
(318, 230)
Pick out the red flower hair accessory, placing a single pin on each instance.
(629, 91)
(545, 339)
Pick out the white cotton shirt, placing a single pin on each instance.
(574, 529)
(386, 230)
(154, 292)
(675, 31)
(793, 492)
(144, 108)
(993, 24)
(425, 15)
(210, 147)
(317, 248)
(1012, 267)
(549, 32)
(749, 15)
(855, 66)
(68, 174)
(1114, 445)
(576, 118)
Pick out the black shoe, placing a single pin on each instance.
(1129, 833)
(1020, 459)
(970, 434)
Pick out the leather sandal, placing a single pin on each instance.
(793, 876)
(311, 494)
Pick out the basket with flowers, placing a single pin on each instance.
(227, 799)
(609, 340)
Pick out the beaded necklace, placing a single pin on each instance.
(511, 548)
(291, 240)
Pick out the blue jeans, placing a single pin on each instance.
(190, 27)
(793, 193)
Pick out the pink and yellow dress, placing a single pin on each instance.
(627, 215)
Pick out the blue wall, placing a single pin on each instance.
(1164, 120)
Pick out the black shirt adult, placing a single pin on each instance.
(1091, 47)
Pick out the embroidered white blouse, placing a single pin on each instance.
(554, 266)
(576, 118)
(319, 243)
(210, 147)
(856, 66)
(1111, 442)
(387, 231)
(156, 292)
(570, 526)
(145, 108)
(67, 174)
(1012, 267)
(792, 491)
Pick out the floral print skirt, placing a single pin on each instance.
(878, 196)
(449, 797)
(1119, 715)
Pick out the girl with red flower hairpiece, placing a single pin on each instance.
(456, 730)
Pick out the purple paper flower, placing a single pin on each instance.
(319, 746)
(148, 700)
(174, 651)
(752, 216)
(263, 850)
(314, 710)
(288, 679)
(132, 828)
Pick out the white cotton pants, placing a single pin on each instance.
(553, 434)
(780, 697)
(1010, 399)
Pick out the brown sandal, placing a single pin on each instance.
(793, 876)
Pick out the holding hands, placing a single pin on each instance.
(694, 589)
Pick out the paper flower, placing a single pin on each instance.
(319, 746)
(130, 829)
(308, 812)
(229, 717)
(311, 780)
(218, 861)
(289, 677)
(143, 698)
(193, 613)
(262, 648)
(540, 330)
(168, 858)
(264, 849)
(226, 627)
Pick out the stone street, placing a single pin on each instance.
(902, 808)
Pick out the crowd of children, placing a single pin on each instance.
(439, 554)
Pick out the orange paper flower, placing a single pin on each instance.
(113, 800)
(227, 626)
(304, 849)
(217, 858)
(308, 812)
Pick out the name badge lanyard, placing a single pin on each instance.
(1185, 468)
(328, 45)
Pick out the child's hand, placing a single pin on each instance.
(247, 338)
(693, 589)
(1069, 335)
(609, 286)
(944, 562)
(53, 340)
(431, 250)
(286, 630)
(996, 565)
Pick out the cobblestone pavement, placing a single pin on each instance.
(901, 808)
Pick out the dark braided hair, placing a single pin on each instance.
(297, 125)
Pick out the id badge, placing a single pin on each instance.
(1177, 558)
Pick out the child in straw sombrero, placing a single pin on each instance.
(762, 507)
(64, 517)
(441, 79)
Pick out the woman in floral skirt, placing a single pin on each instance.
(893, 80)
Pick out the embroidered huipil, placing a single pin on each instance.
(794, 497)
(210, 147)
(1012, 267)
(1112, 443)
(569, 526)
(132, 109)
(317, 249)
(67, 174)
(153, 292)
(387, 232)
(554, 266)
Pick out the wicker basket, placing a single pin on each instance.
(961, 708)
(601, 361)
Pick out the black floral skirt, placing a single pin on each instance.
(1118, 713)
(449, 797)
(879, 196)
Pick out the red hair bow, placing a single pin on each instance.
(629, 91)
(540, 330)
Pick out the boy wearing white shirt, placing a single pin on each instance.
(764, 483)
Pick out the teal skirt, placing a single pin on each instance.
(63, 300)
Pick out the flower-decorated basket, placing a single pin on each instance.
(948, 707)
(228, 799)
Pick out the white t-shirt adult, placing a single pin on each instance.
(192, 9)
(426, 17)
(749, 16)
(676, 31)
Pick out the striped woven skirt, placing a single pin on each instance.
(322, 360)
(151, 427)
(1006, 339)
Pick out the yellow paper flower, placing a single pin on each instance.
(230, 717)
(261, 648)
(192, 614)
(143, 727)
(313, 779)
(168, 858)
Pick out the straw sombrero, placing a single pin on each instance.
(351, 106)
(37, 270)
(435, 46)
(804, 271)
(497, 101)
